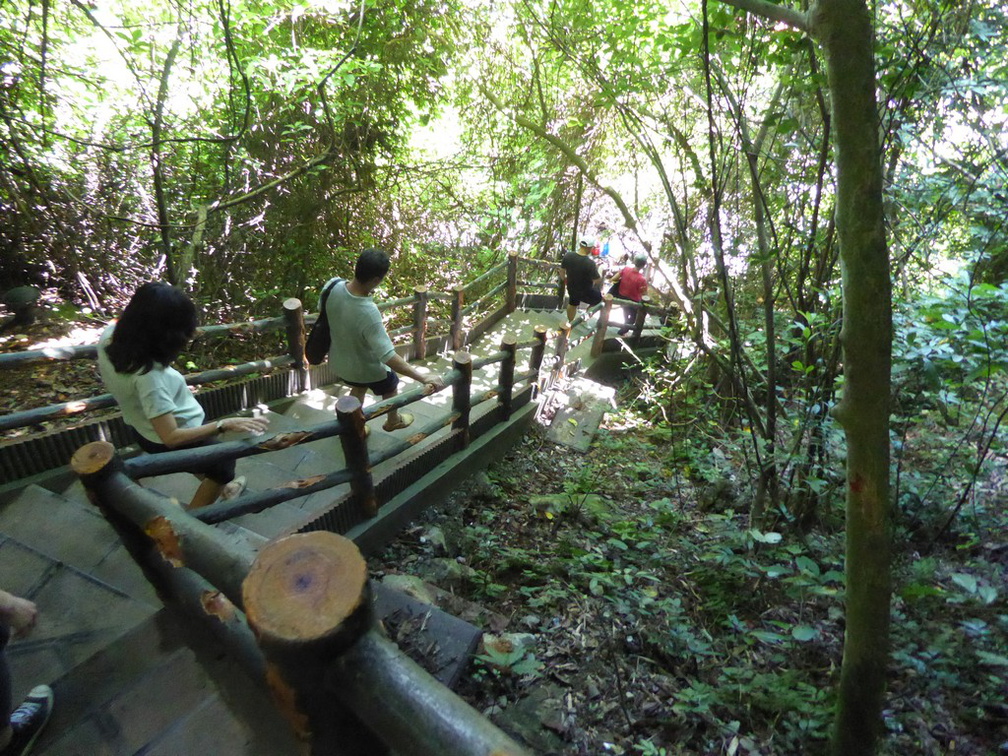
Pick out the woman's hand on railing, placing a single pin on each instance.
(254, 425)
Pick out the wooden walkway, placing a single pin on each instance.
(130, 677)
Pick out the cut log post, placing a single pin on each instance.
(601, 326)
(511, 301)
(641, 316)
(420, 323)
(560, 350)
(462, 395)
(293, 315)
(537, 354)
(354, 441)
(307, 599)
(505, 384)
(458, 302)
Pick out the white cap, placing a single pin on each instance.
(588, 242)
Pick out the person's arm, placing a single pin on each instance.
(401, 366)
(172, 436)
(19, 614)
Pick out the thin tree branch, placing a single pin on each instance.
(798, 19)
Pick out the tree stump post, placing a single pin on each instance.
(307, 599)
(601, 326)
(420, 323)
(293, 315)
(354, 442)
(537, 354)
(512, 282)
(458, 299)
(539, 350)
(640, 316)
(93, 463)
(560, 350)
(462, 395)
(505, 384)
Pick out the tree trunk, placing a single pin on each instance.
(844, 29)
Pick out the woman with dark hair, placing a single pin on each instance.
(134, 358)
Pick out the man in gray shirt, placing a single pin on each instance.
(361, 351)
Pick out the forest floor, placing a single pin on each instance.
(629, 607)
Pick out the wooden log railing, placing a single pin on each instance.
(304, 602)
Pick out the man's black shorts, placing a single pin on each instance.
(590, 297)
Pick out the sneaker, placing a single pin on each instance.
(231, 491)
(28, 720)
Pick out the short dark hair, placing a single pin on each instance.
(372, 263)
(154, 328)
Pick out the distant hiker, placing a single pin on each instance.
(362, 354)
(134, 359)
(20, 727)
(631, 284)
(582, 276)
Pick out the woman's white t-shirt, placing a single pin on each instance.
(142, 397)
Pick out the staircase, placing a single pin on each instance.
(132, 676)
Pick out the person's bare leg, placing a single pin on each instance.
(392, 418)
(206, 494)
(571, 312)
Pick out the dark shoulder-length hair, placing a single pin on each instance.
(154, 328)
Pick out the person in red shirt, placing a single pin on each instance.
(633, 286)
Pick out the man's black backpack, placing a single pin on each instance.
(318, 341)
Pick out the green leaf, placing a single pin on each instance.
(804, 633)
(808, 566)
(965, 581)
(992, 660)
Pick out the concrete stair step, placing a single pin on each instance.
(71, 531)
(166, 687)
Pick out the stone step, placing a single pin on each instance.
(166, 687)
(70, 531)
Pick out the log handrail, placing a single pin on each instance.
(494, 271)
(318, 660)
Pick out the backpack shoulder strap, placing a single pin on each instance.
(325, 296)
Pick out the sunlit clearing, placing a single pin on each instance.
(79, 336)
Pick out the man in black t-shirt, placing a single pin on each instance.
(582, 276)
